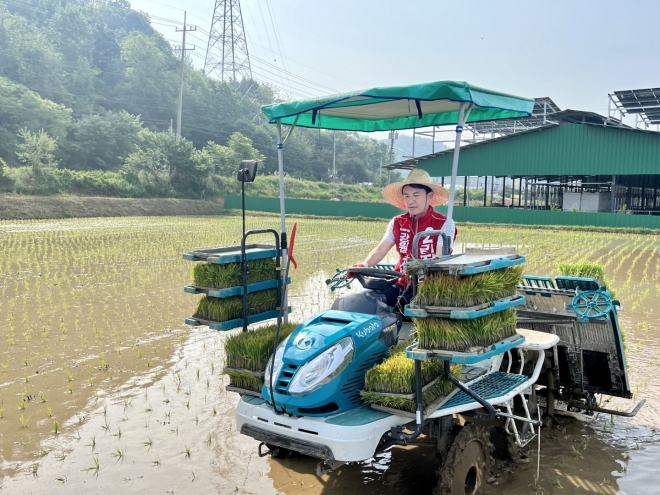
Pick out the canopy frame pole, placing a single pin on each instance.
(463, 112)
(293, 126)
(280, 164)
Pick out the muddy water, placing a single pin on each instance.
(92, 337)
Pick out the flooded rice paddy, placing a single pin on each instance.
(103, 389)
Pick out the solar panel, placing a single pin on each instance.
(644, 102)
(543, 108)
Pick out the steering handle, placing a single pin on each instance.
(428, 233)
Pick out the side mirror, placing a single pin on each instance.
(247, 171)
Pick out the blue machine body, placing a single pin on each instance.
(371, 342)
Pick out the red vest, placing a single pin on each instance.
(404, 229)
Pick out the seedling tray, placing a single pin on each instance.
(231, 254)
(467, 264)
(234, 291)
(242, 391)
(428, 410)
(414, 352)
(455, 313)
(257, 374)
(237, 323)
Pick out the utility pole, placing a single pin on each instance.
(334, 149)
(393, 135)
(413, 148)
(183, 65)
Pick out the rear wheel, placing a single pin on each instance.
(468, 463)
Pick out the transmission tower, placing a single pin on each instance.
(227, 52)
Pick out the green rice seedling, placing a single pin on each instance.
(24, 421)
(251, 350)
(96, 465)
(186, 452)
(148, 443)
(214, 309)
(245, 381)
(49, 411)
(56, 427)
(587, 270)
(461, 335)
(448, 290)
(230, 275)
(396, 375)
(119, 453)
(2, 413)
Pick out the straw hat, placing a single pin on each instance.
(393, 192)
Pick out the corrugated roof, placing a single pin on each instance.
(567, 149)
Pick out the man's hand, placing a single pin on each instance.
(356, 265)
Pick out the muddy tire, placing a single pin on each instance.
(468, 463)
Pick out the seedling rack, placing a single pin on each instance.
(240, 254)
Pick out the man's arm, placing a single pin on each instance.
(378, 253)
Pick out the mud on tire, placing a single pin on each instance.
(468, 463)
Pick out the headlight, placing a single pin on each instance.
(278, 362)
(322, 368)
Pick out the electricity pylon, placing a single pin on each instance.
(227, 53)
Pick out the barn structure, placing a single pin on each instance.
(572, 161)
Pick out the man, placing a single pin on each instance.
(417, 194)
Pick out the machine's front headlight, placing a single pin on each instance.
(322, 368)
(279, 353)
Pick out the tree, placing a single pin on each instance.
(225, 159)
(20, 107)
(167, 162)
(28, 58)
(149, 85)
(37, 149)
(103, 141)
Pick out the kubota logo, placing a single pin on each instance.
(304, 343)
(366, 331)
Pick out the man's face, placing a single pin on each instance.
(416, 200)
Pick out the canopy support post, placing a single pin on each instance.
(462, 117)
(280, 163)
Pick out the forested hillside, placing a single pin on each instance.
(88, 98)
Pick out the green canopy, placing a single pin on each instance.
(399, 107)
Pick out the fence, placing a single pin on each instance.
(461, 213)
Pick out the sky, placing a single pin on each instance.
(575, 52)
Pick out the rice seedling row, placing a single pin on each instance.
(83, 303)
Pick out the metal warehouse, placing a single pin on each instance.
(571, 160)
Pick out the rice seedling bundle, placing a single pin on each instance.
(230, 275)
(461, 335)
(251, 350)
(230, 308)
(587, 270)
(452, 291)
(391, 382)
(247, 355)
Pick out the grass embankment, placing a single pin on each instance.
(18, 207)
(269, 187)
